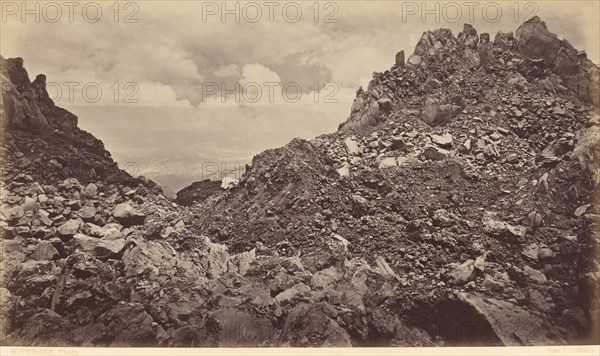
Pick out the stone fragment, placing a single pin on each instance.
(90, 190)
(444, 140)
(400, 59)
(127, 215)
(435, 153)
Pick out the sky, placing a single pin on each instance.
(169, 85)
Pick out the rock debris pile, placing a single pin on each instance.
(455, 206)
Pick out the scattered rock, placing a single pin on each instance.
(101, 248)
(341, 240)
(130, 325)
(444, 140)
(414, 60)
(314, 325)
(508, 323)
(351, 146)
(127, 215)
(87, 213)
(434, 153)
(70, 228)
(502, 229)
(45, 251)
(228, 183)
(533, 275)
(581, 210)
(90, 190)
(463, 273)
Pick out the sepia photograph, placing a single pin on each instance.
(303, 177)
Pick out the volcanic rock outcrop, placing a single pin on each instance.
(455, 206)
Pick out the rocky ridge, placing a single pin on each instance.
(454, 206)
(43, 139)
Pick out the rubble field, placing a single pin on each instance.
(456, 205)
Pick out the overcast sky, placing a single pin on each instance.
(178, 54)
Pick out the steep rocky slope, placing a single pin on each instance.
(197, 192)
(454, 206)
(42, 139)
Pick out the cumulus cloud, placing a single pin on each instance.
(258, 73)
(229, 70)
(175, 58)
(175, 46)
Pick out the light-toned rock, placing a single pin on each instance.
(414, 60)
(464, 272)
(228, 183)
(90, 190)
(351, 146)
(70, 228)
(127, 215)
(444, 140)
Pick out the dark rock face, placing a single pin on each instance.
(439, 55)
(197, 192)
(504, 40)
(578, 73)
(454, 207)
(314, 324)
(473, 112)
(19, 97)
(400, 59)
(536, 41)
(28, 105)
(468, 37)
(43, 139)
(58, 117)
